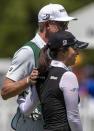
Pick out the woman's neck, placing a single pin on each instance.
(64, 62)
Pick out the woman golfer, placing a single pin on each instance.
(57, 87)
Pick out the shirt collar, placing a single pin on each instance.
(59, 64)
(39, 41)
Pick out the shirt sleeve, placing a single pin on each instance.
(69, 87)
(28, 104)
(22, 64)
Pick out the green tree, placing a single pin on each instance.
(18, 21)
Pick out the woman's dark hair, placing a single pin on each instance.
(43, 60)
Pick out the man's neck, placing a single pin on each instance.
(42, 35)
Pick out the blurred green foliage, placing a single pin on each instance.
(18, 21)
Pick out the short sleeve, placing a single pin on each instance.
(22, 64)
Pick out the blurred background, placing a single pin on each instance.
(18, 24)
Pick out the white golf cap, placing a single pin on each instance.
(54, 12)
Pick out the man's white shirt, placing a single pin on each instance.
(23, 61)
(21, 66)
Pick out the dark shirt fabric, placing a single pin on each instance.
(52, 101)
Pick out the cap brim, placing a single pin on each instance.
(81, 45)
(65, 19)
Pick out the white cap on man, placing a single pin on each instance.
(54, 12)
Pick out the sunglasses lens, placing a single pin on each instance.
(63, 24)
(66, 23)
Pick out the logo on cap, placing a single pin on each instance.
(62, 10)
(64, 42)
(46, 16)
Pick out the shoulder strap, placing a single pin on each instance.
(35, 49)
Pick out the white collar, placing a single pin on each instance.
(39, 41)
(59, 64)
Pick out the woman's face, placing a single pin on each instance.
(70, 56)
